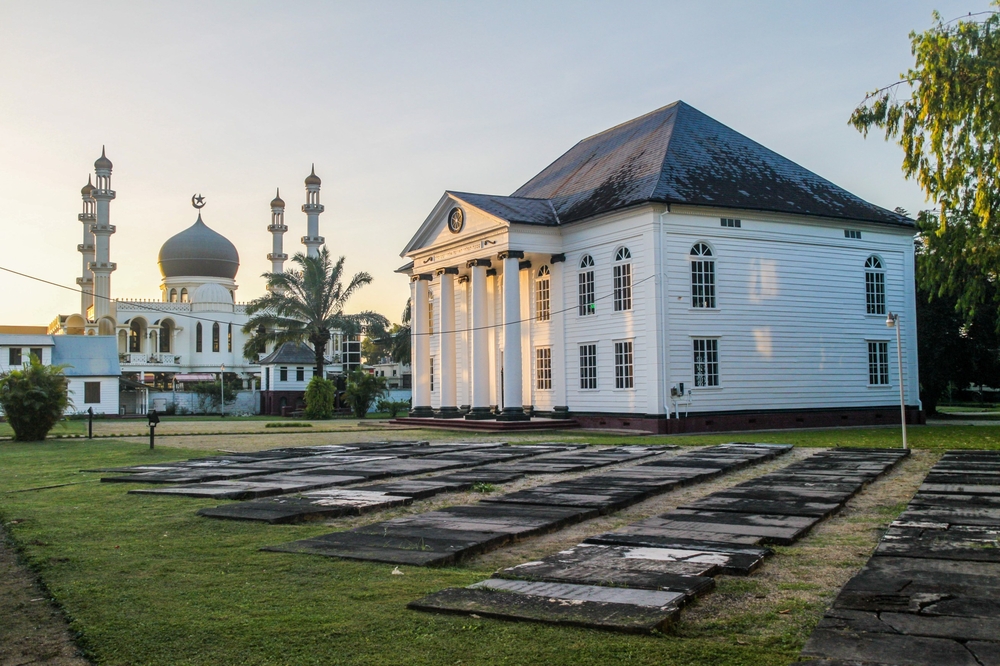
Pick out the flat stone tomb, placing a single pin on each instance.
(447, 536)
(931, 592)
(416, 488)
(281, 476)
(679, 551)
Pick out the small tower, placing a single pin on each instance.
(312, 208)
(101, 266)
(86, 248)
(277, 257)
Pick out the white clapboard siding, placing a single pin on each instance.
(109, 395)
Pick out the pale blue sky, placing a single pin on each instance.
(394, 102)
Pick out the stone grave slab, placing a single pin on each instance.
(683, 571)
(880, 648)
(781, 530)
(956, 489)
(295, 509)
(187, 475)
(418, 489)
(243, 490)
(656, 528)
(516, 606)
(763, 506)
(445, 548)
(952, 515)
(570, 592)
(729, 559)
(938, 541)
(479, 475)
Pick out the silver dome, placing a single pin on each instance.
(199, 251)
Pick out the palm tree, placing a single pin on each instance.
(393, 342)
(306, 305)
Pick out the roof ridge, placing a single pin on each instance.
(678, 103)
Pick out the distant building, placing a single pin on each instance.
(397, 375)
(92, 367)
(667, 267)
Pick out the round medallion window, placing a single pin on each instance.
(456, 220)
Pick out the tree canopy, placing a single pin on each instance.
(306, 305)
(949, 130)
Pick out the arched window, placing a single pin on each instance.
(215, 337)
(184, 295)
(586, 286)
(702, 277)
(874, 286)
(623, 280)
(166, 333)
(173, 295)
(135, 337)
(229, 338)
(197, 337)
(542, 295)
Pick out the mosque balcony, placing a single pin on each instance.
(282, 228)
(145, 360)
(86, 217)
(313, 208)
(85, 248)
(271, 256)
(84, 282)
(100, 229)
(102, 266)
(313, 240)
(102, 194)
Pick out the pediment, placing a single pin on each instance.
(435, 231)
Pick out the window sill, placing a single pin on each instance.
(694, 309)
(706, 388)
(880, 387)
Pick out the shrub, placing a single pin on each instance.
(393, 407)
(320, 397)
(33, 399)
(363, 389)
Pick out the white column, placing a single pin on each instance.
(446, 344)
(420, 348)
(557, 323)
(479, 336)
(513, 409)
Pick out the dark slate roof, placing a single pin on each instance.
(87, 355)
(290, 352)
(677, 154)
(513, 209)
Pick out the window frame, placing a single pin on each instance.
(731, 222)
(622, 280)
(283, 374)
(543, 368)
(876, 304)
(300, 374)
(624, 356)
(588, 371)
(709, 348)
(703, 278)
(216, 337)
(586, 287)
(15, 357)
(543, 294)
(88, 389)
(199, 336)
(37, 351)
(878, 364)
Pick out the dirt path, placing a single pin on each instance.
(32, 630)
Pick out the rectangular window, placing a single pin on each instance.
(875, 292)
(706, 362)
(623, 365)
(878, 363)
(852, 233)
(300, 374)
(15, 357)
(283, 374)
(430, 311)
(731, 222)
(623, 287)
(703, 283)
(91, 393)
(588, 366)
(37, 353)
(542, 299)
(431, 368)
(543, 368)
(587, 293)
(229, 344)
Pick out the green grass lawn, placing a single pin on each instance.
(145, 581)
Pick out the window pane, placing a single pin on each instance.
(706, 362)
(586, 291)
(703, 283)
(623, 365)
(588, 366)
(543, 368)
(542, 299)
(623, 287)
(91, 392)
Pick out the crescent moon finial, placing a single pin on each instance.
(198, 201)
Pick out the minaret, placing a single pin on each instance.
(312, 208)
(86, 279)
(102, 228)
(277, 257)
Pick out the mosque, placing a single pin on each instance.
(194, 330)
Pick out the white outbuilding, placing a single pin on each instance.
(668, 274)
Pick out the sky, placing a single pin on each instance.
(394, 102)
